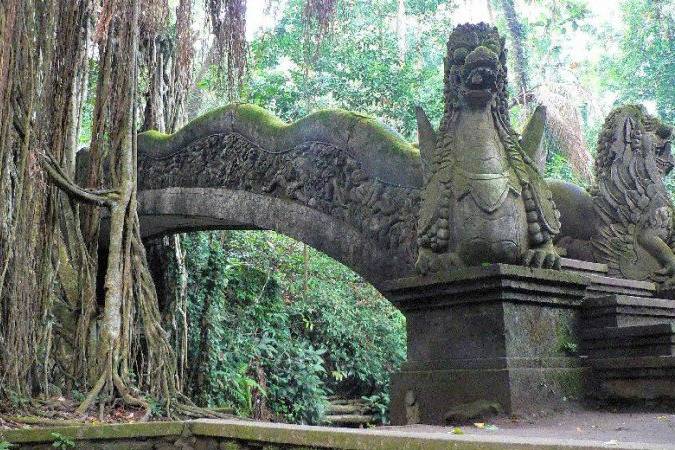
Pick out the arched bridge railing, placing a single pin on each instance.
(336, 180)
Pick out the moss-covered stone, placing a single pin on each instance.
(95, 432)
(571, 383)
(365, 137)
(243, 435)
(230, 445)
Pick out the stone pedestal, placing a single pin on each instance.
(629, 344)
(498, 333)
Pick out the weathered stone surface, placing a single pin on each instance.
(600, 286)
(210, 208)
(577, 219)
(334, 179)
(641, 340)
(206, 444)
(116, 431)
(467, 412)
(625, 310)
(583, 267)
(635, 212)
(230, 446)
(634, 378)
(629, 343)
(248, 435)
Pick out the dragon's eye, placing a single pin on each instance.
(459, 55)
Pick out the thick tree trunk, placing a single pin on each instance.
(518, 45)
(170, 79)
(129, 291)
(37, 92)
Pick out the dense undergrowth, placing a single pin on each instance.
(276, 327)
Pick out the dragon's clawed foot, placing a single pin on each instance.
(544, 257)
(667, 271)
(668, 274)
(668, 284)
(430, 262)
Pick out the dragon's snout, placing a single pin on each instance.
(480, 69)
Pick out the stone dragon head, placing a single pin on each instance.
(629, 133)
(475, 67)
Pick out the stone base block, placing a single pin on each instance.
(621, 342)
(498, 333)
(626, 310)
(425, 396)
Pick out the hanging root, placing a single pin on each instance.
(93, 393)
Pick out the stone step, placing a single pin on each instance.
(583, 267)
(339, 409)
(348, 412)
(640, 378)
(618, 342)
(349, 420)
(603, 285)
(626, 310)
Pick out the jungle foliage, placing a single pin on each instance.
(275, 327)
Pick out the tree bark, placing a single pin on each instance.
(518, 45)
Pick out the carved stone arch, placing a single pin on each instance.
(335, 180)
(172, 210)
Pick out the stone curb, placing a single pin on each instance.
(310, 436)
(358, 439)
(96, 432)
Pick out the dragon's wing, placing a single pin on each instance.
(427, 138)
(532, 138)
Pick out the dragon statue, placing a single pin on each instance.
(627, 216)
(483, 199)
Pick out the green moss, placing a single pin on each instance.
(566, 342)
(396, 141)
(156, 135)
(95, 432)
(230, 445)
(260, 116)
(571, 383)
(269, 124)
(209, 116)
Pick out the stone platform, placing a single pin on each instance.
(586, 431)
(497, 333)
(629, 345)
(524, 340)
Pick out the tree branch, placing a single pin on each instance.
(105, 198)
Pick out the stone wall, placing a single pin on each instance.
(248, 435)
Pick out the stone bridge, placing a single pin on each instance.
(336, 180)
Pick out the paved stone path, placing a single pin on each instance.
(610, 429)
